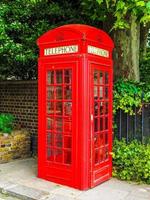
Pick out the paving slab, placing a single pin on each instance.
(18, 179)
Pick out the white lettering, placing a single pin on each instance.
(98, 51)
(61, 50)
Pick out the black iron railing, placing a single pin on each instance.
(133, 127)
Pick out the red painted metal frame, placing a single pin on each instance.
(80, 174)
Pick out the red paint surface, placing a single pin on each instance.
(75, 109)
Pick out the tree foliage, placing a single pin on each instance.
(21, 23)
(119, 10)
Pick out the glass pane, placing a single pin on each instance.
(106, 153)
(50, 92)
(67, 125)
(67, 142)
(58, 92)
(50, 77)
(106, 123)
(96, 156)
(50, 139)
(101, 108)
(68, 76)
(95, 76)
(68, 108)
(101, 155)
(101, 124)
(58, 140)
(95, 108)
(50, 154)
(58, 155)
(101, 92)
(68, 92)
(106, 108)
(95, 92)
(106, 138)
(50, 123)
(101, 77)
(101, 139)
(59, 124)
(59, 108)
(106, 92)
(95, 124)
(96, 140)
(67, 157)
(59, 76)
(50, 107)
(106, 78)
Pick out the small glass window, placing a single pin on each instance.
(106, 78)
(59, 92)
(59, 76)
(68, 108)
(50, 107)
(59, 124)
(96, 156)
(50, 139)
(101, 108)
(96, 124)
(101, 92)
(101, 77)
(96, 77)
(101, 124)
(50, 123)
(59, 108)
(58, 140)
(106, 92)
(50, 92)
(68, 92)
(95, 92)
(50, 77)
(68, 76)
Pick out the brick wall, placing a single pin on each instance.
(20, 99)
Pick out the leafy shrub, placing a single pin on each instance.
(131, 161)
(6, 123)
(145, 68)
(129, 94)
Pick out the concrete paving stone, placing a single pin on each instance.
(20, 178)
(132, 197)
(37, 183)
(141, 192)
(67, 191)
(26, 193)
(59, 197)
(104, 194)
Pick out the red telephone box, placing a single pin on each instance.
(75, 106)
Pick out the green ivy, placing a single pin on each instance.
(131, 161)
(128, 94)
(145, 67)
(6, 123)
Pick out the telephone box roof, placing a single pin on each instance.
(75, 32)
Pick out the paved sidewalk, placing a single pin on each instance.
(19, 179)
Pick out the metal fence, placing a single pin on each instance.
(133, 127)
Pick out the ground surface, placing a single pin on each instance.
(7, 197)
(19, 179)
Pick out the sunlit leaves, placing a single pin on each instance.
(121, 10)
